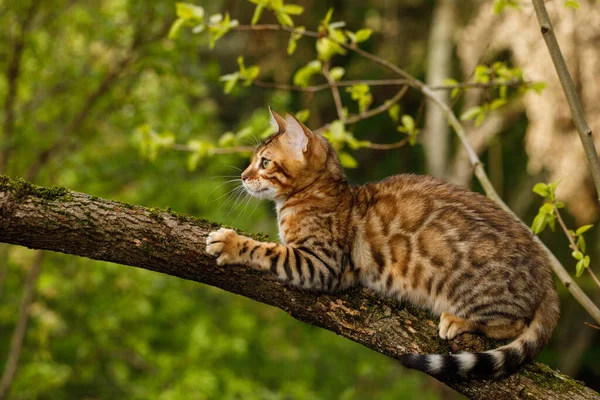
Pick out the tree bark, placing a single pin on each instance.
(436, 134)
(160, 240)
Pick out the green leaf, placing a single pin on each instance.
(294, 37)
(200, 150)
(302, 115)
(355, 144)
(552, 222)
(559, 204)
(482, 74)
(539, 223)
(408, 122)
(303, 75)
(502, 92)
(363, 35)
(579, 267)
(581, 243)
(547, 208)
(257, 13)
(284, 19)
(497, 104)
(471, 113)
(586, 261)
(292, 9)
(275, 4)
(327, 18)
(228, 139)
(577, 255)
(230, 81)
(539, 87)
(394, 112)
(175, 28)
(337, 73)
(347, 160)
(541, 189)
(189, 11)
(583, 229)
(572, 4)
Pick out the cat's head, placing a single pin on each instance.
(290, 160)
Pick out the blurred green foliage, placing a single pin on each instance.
(101, 82)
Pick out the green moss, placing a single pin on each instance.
(545, 377)
(156, 213)
(21, 189)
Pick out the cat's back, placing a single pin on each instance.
(432, 240)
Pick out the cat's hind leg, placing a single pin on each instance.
(451, 326)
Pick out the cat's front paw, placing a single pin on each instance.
(223, 244)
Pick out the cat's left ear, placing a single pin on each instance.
(297, 135)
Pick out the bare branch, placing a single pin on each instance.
(334, 91)
(585, 133)
(388, 82)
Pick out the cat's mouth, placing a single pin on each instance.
(260, 193)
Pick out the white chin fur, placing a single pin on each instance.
(260, 193)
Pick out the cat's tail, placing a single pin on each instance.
(498, 362)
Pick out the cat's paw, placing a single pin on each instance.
(223, 244)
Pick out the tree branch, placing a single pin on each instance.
(335, 92)
(387, 82)
(75, 223)
(439, 61)
(585, 133)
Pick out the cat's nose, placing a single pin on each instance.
(244, 177)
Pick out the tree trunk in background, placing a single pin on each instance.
(75, 223)
(436, 132)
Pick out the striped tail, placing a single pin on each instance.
(495, 363)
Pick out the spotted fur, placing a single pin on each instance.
(414, 238)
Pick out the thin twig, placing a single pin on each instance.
(335, 92)
(397, 145)
(372, 112)
(572, 241)
(591, 326)
(585, 133)
(487, 186)
(18, 337)
(387, 82)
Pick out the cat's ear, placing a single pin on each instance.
(297, 135)
(277, 121)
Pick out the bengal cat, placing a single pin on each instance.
(414, 238)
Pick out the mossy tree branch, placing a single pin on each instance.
(160, 240)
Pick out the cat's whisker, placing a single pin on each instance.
(221, 184)
(237, 204)
(232, 194)
(246, 203)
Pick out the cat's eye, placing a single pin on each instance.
(264, 162)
